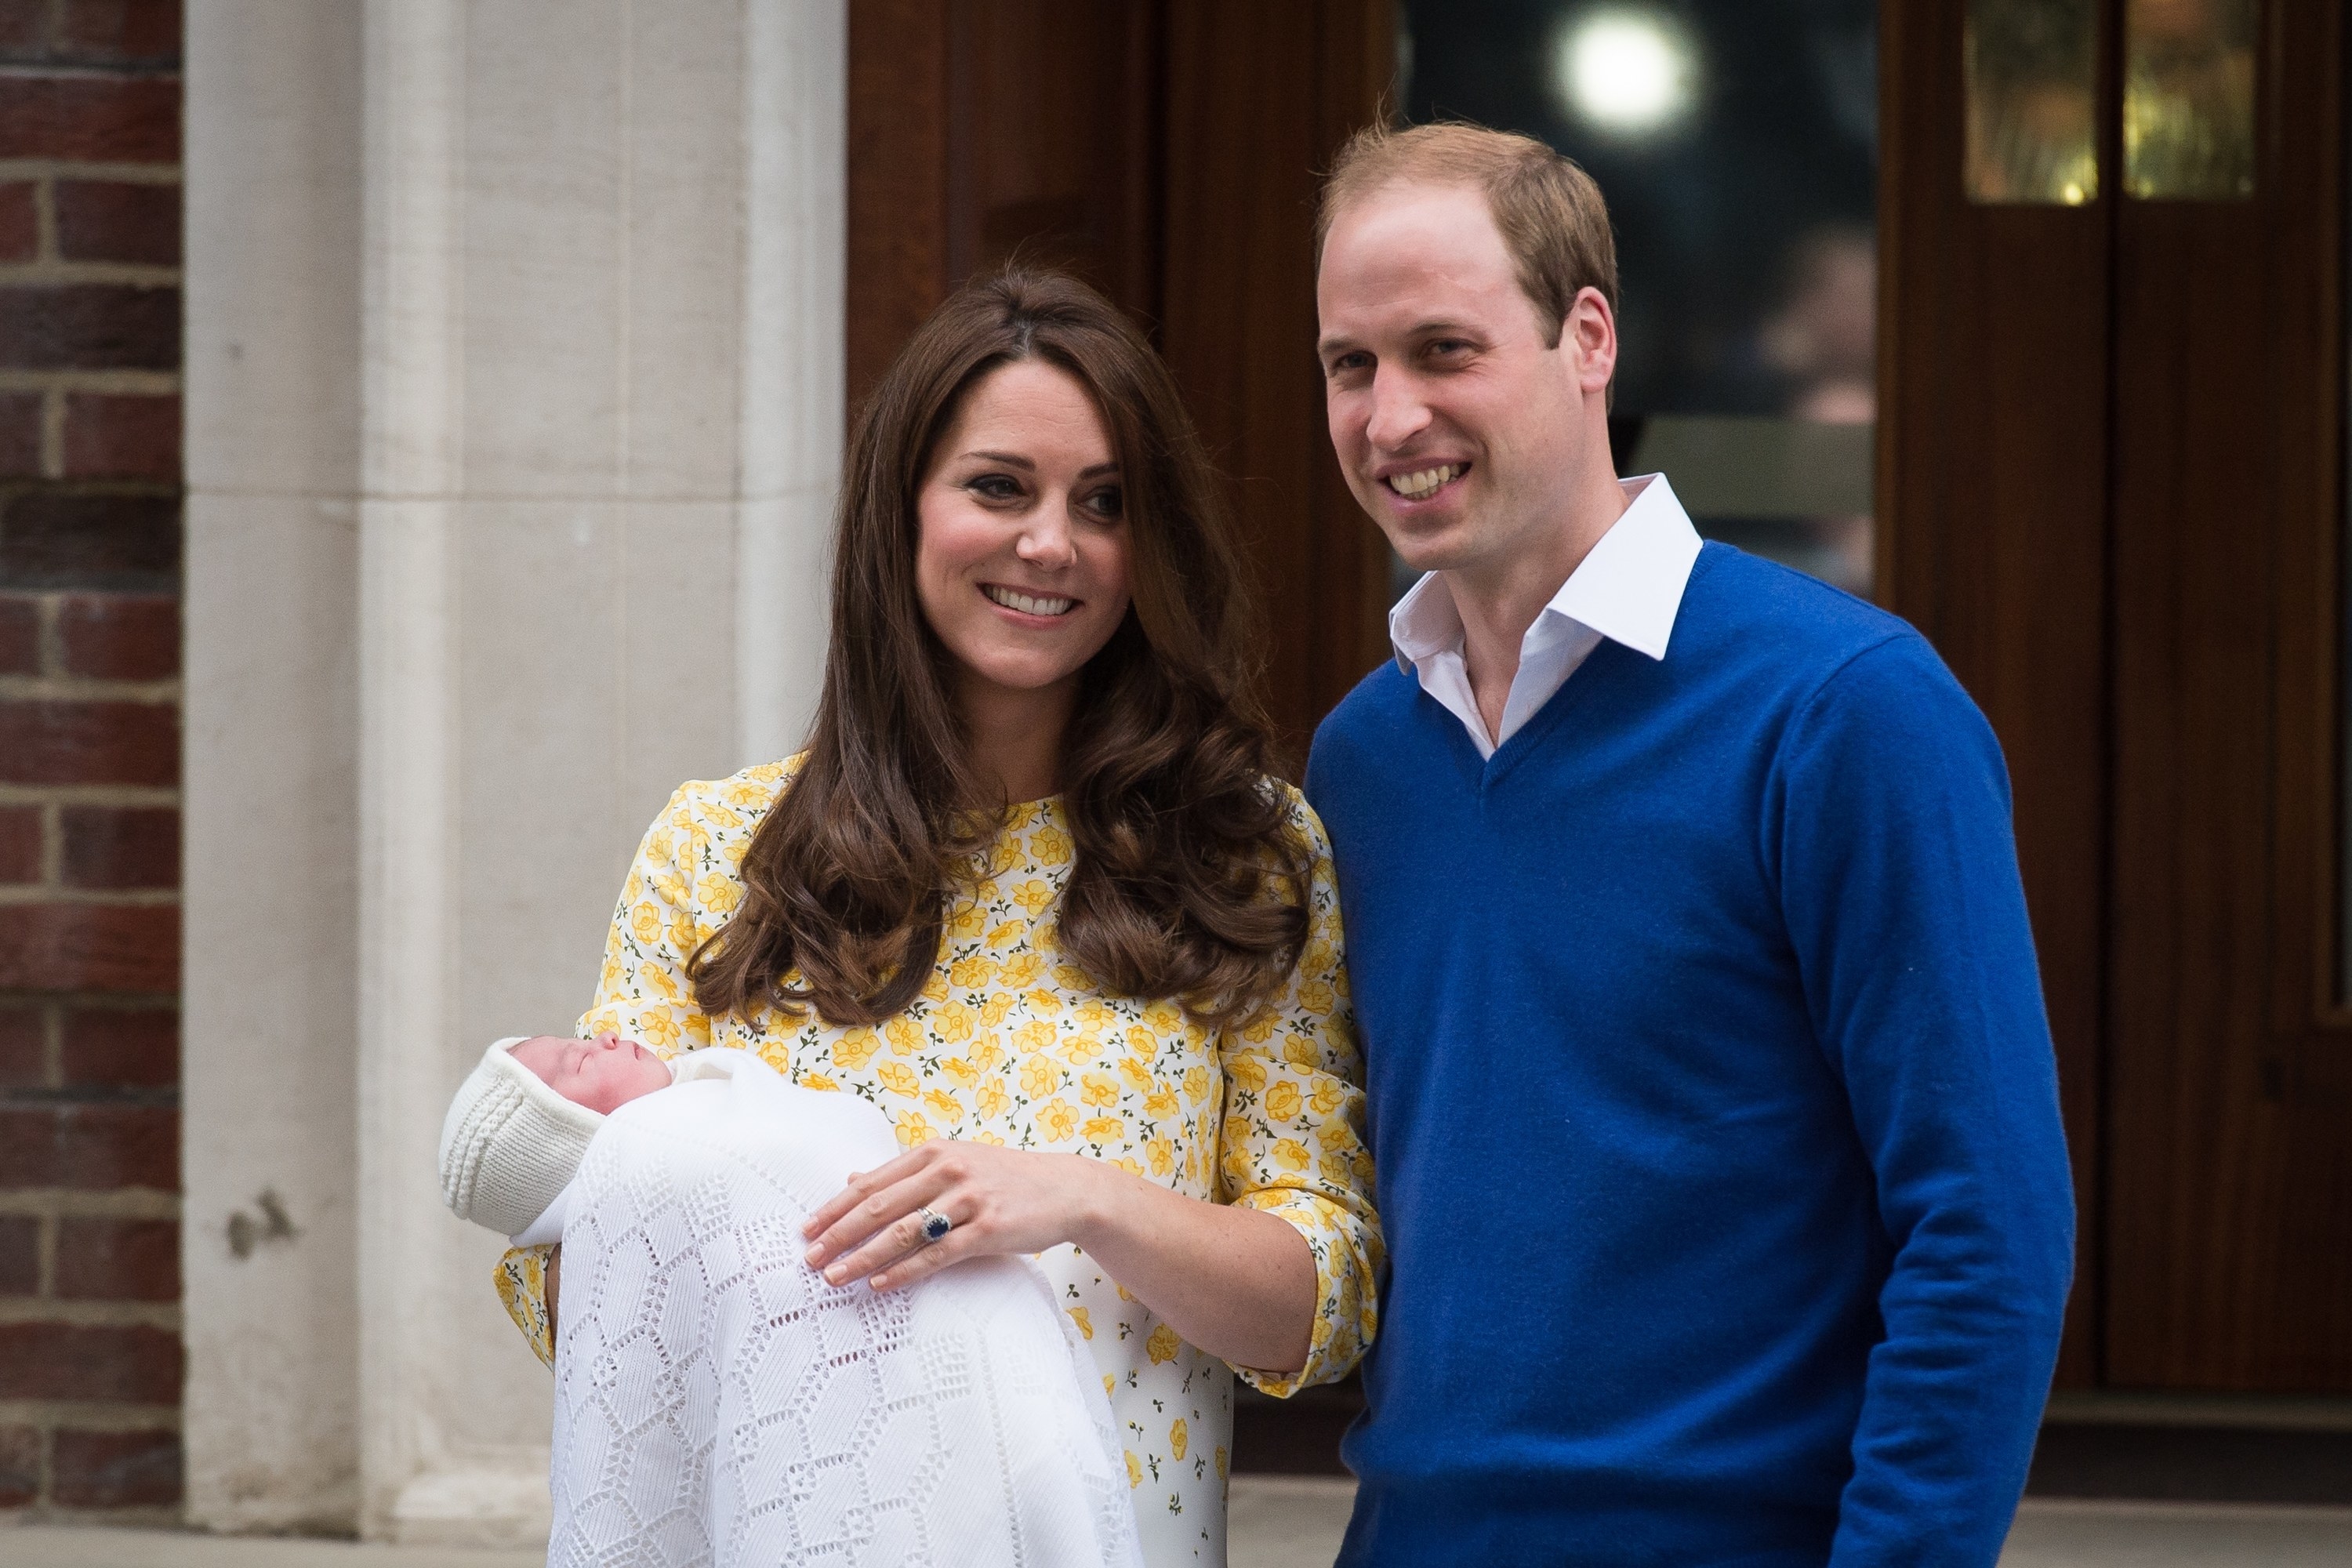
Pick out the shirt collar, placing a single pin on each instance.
(1629, 586)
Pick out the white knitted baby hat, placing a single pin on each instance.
(509, 1143)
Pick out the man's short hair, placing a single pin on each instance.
(1552, 216)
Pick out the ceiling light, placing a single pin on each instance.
(1628, 71)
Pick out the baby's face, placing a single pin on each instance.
(601, 1074)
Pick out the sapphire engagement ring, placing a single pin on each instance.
(935, 1224)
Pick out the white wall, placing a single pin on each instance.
(514, 371)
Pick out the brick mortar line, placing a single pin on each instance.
(56, 270)
(22, 67)
(115, 171)
(28, 895)
(53, 434)
(135, 382)
(88, 1416)
(88, 795)
(75, 1203)
(17, 1310)
(88, 689)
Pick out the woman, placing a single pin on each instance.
(1030, 890)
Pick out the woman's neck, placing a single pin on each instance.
(1016, 735)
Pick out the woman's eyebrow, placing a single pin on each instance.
(1011, 459)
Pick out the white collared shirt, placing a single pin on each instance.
(1628, 589)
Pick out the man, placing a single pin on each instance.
(1710, 1088)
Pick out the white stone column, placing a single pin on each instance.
(514, 402)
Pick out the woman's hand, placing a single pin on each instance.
(1000, 1200)
(1237, 1282)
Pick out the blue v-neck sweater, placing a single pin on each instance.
(1713, 1102)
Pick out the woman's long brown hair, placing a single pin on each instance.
(1189, 881)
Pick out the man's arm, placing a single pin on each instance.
(1900, 886)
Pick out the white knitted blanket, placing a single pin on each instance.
(718, 1403)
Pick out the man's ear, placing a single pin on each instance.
(1588, 334)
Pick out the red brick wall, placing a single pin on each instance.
(90, 763)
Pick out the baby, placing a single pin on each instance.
(716, 1400)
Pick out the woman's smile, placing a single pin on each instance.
(1030, 607)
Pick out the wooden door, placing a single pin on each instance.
(2113, 495)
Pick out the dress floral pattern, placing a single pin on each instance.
(1010, 1044)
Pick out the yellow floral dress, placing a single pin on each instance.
(1010, 1044)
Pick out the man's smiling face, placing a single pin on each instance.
(1457, 427)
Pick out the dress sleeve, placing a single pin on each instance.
(1293, 1142)
(679, 882)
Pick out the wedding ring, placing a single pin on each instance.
(935, 1224)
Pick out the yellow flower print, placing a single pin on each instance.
(1070, 977)
(770, 773)
(720, 815)
(1300, 1052)
(719, 894)
(1290, 1153)
(935, 989)
(1094, 1013)
(986, 1055)
(1281, 1101)
(1079, 1316)
(1248, 1071)
(1043, 1001)
(1260, 1028)
(1104, 1130)
(1032, 1037)
(816, 1081)
(659, 1030)
(1138, 1076)
(658, 979)
(1162, 1152)
(1163, 1345)
(1050, 846)
(913, 1130)
(1317, 998)
(1162, 1103)
(745, 792)
(660, 846)
(953, 1021)
(855, 1049)
(1020, 815)
(945, 1104)
(962, 1071)
(1163, 1017)
(1333, 1168)
(905, 1035)
(1034, 897)
(1124, 1164)
(991, 1098)
(968, 919)
(1057, 1120)
(1316, 958)
(989, 1137)
(1335, 1135)
(1178, 1437)
(1020, 972)
(1080, 1050)
(1006, 935)
(609, 978)
(899, 1079)
(671, 887)
(993, 1010)
(1326, 1097)
(1039, 1077)
(1142, 1042)
(1095, 1089)
(685, 934)
(646, 923)
(972, 973)
(1134, 1469)
(1220, 1461)
(1196, 1084)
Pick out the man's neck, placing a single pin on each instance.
(1499, 601)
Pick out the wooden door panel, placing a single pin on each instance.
(2228, 1198)
(1994, 386)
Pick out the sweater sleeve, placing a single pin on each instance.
(1293, 1136)
(1899, 884)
